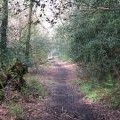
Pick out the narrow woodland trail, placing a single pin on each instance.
(64, 101)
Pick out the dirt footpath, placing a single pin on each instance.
(64, 101)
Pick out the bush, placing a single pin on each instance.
(16, 110)
(107, 91)
(115, 97)
(86, 87)
(34, 88)
(94, 41)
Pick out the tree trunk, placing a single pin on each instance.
(29, 31)
(4, 26)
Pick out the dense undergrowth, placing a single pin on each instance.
(92, 37)
(107, 92)
(33, 88)
(32, 91)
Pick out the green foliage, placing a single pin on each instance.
(40, 49)
(115, 97)
(86, 87)
(62, 43)
(1, 94)
(95, 40)
(34, 88)
(109, 83)
(16, 110)
(107, 92)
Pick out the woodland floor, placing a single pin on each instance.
(64, 102)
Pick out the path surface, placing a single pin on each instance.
(65, 103)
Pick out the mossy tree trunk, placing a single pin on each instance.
(4, 26)
(29, 31)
